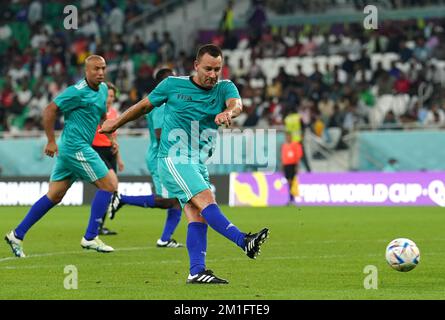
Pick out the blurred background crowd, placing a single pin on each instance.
(333, 74)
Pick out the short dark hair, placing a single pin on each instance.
(211, 49)
(112, 87)
(162, 74)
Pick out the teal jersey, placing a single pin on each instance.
(154, 121)
(82, 108)
(188, 105)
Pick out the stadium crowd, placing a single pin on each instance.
(39, 59)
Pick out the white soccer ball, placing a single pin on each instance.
(402, 254)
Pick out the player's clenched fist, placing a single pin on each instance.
(108, 126)
(224, 118)
(51, 149)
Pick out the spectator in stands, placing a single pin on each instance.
(385, 84)
(352, 118)
(116, 19)
(337, 118)
(362, 74)
(394, 71)
(37, 104)
(167, 48)
(391, 166)
(35, 12)
(133, 9)
(318, 126)
(378, 43)
(182, 64)
(421, 52)
(18, 71)
(226, 24)
(87, 4)
(256, 21)
(348, 64)
(24, 94)
(300, 80)
(154, 44)
(405, 52)
(326, 108)
(390, 121)
(435, 116)
(127, 65)
(275, 112)
(283, 77)
(328, 76)
(7, 100)
(138, 46)
(240, 70)
(402, 84)
(435, 75)
(118, 46)
(309, 46)
(275, 89)
(316, 76)
(144, 80)
(226, 71)
(89, 26)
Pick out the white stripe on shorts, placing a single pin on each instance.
(86, 166)
(179, 180)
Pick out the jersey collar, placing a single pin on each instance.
(199, 86)
(91, 86)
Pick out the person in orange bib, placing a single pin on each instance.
(291, 153)
(108, 150)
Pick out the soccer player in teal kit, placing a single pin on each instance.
(83, 106)
(200, 98)
(154, 123)
(155, 120)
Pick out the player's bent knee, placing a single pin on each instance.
(109, 187)
(114, 186)
(193, 214)
(55, 197)
(191, 219)
(107, 183)
(203, 199)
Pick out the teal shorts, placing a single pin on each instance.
(183, 180)
(84, 164)
(159, 189)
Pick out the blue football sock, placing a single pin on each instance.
(173, 218)
(197, 246)
(98, 207)
(37, 211)
(140, 201)
(216, 219)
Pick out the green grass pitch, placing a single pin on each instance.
(312, 253)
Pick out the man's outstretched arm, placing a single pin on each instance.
(233, 110)
(135, 111)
